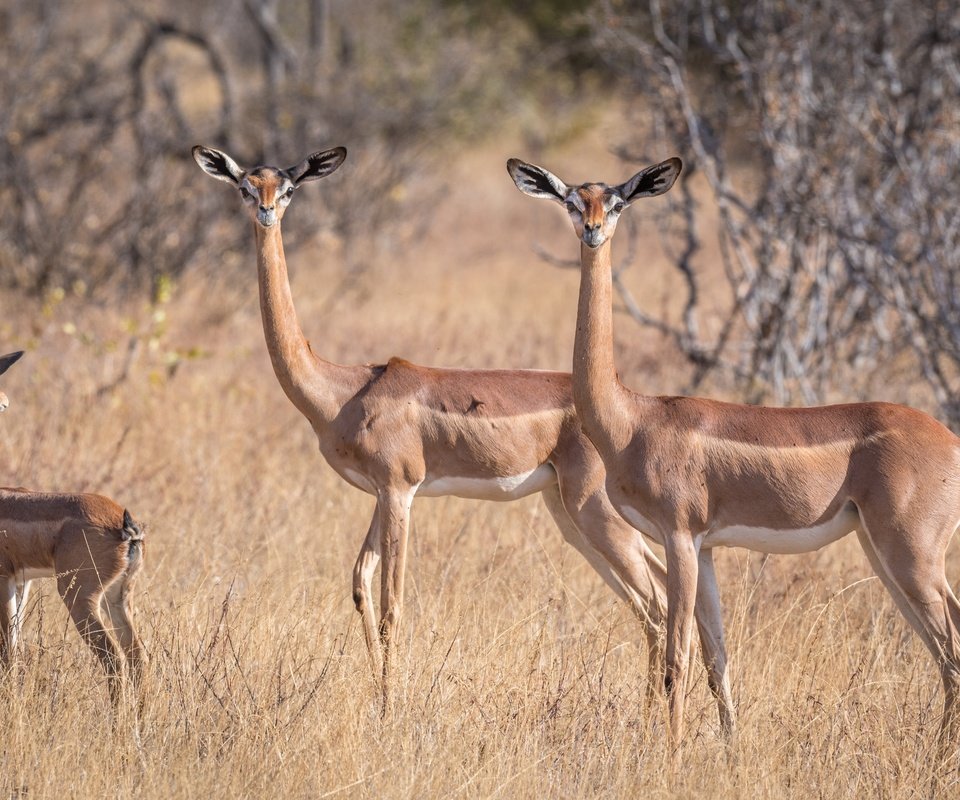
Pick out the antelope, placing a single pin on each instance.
(6, 362)
(94, 548)
(696, 474)
(398, 430)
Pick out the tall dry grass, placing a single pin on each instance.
(519, 675)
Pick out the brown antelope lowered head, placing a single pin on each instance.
(6, 362)
(594, 208)
(266, 191)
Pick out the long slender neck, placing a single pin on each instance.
(597, 392)
(310, 383)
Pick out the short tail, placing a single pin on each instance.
(132, 533)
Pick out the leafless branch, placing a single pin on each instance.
(839, 237)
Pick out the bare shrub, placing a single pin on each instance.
(828, 134)
(97, 129)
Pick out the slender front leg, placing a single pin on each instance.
(393, 508)
(710, 623)
(681, 554)
(8, 614)
(363, 591)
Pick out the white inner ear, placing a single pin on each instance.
(630, 185)
(322, 163)
(232, 167)
(661, 183)
(208, 161)
(526, 183)
(297, 172)
(561, 188)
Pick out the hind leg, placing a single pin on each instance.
(116, 601)
(8, 616)
(911, 568)
(363, 573)
(637, 586)
(83, 603)
(640, 591)
(950, 674)
(709, 617)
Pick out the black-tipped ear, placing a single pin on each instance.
(651, 181)
(536, 181)
(9, 360)
(317, 165)
(217, 164)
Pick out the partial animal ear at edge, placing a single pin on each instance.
(217, 164)
(317, 165)
(536, 181)
(9, 360)
(651, 181)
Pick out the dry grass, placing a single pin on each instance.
(519, 674)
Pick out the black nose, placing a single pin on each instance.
(588, 227)
(266, 208)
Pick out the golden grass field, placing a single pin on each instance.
(519, 675)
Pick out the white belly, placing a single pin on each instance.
(32, 573)
(763, 540)
(510, 487)
(786, 540)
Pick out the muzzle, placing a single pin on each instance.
(592, 238)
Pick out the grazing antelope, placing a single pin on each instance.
(398, 430)
(6, 362)
(94, 549)
(697, 474)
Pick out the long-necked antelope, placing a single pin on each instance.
(6, 362)
(398, 430)
(698, 474)
(94, 549)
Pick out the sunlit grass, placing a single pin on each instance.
(518, 673)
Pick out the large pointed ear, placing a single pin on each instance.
(217, 164)
(9, 360)
(651, 181)
(317, 165)
(536, 181)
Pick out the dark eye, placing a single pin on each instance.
(617, 208)
(244, 193)
(289, 192)
(571, 206)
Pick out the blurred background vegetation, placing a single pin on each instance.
(824, 137)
